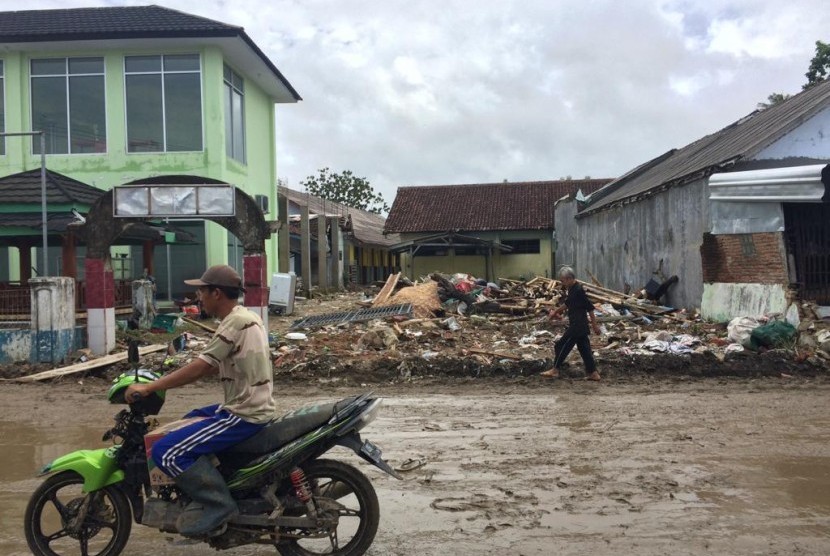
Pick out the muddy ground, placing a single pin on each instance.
(707, 453)
(640, 464)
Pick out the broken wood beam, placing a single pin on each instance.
(199, 324)
(88, 365)
(387, 289)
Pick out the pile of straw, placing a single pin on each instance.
(423, 297)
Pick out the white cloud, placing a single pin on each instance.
(457, 91)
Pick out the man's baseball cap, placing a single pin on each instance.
(218, 275)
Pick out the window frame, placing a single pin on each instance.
(66, 76)
(229, 87)
(523, 245)
(162, 72)
(3, 106)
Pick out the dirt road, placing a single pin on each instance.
(527, 466)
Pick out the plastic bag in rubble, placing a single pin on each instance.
(660, 335)
(740, 328)
(533, 337)
(451, 324)
(608, 309)
(778, 333)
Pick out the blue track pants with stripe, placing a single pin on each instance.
(220, 430)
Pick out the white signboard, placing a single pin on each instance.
(173, 201)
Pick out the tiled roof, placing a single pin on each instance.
(25, 188)
(121, 22)
(482, 207)
(737, 142)
(367, 227)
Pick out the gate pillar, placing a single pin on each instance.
(255, 282)
(100, 306)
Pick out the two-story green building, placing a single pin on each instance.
(131, 93)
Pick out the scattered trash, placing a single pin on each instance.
(451, 324)
(411, 465)
(296, 336)
(778, 333)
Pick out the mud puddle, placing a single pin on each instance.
(721, 467)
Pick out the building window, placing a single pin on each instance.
(234, 115)
(68, 105)
(469, 250)
(164, 103)
(2, 107)
(431, 251)
(522, 246)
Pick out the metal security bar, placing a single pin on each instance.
(808, 238)
(362, 315)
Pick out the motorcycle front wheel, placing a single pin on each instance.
(62, 520)
(339, 489)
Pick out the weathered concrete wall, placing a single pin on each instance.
(15, 345)
(53, 318)
(626, 244)
(722, 302)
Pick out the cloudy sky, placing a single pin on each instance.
(407, 92)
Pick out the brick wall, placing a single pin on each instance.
(744, 258)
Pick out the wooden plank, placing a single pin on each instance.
(199, 324)
(87, 365)
(594, 278)
(387, 289)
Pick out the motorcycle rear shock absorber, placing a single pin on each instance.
(302, 489)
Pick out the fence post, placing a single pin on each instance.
(53, 318)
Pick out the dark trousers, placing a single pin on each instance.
(566, 343)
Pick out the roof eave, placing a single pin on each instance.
(283, 92)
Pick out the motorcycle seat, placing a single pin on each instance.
(281, 431)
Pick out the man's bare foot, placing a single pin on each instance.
(550, 373)
(593, 376)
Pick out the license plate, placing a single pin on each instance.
(371, 451)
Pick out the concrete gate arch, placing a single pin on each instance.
(102, 228)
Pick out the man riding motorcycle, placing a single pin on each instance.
(239, 353)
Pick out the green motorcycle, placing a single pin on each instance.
(288, 496)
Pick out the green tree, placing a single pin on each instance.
(819, 65)
(773, 99)
(346, 188)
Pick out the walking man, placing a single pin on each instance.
(580, 311)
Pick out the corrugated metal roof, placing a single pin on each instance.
(367, 227)
(25, 188)
(739, 141)
(525, 205)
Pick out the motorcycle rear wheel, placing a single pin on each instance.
(48, 522)
(358, 510)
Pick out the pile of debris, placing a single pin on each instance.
(460, 320)
(458, 325)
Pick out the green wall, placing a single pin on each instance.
(505, 265)
(117, 166)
